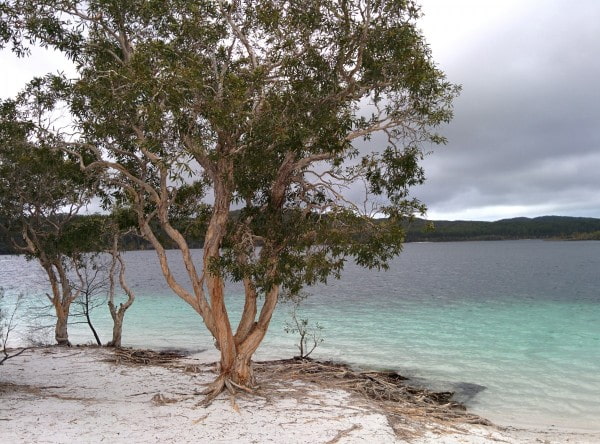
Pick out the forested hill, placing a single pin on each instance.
(545, 227)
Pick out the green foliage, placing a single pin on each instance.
(41, 188)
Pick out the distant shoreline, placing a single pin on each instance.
(435, 241)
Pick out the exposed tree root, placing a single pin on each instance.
(41, 391)
(250, 390)
(230, 388)
(221, 384)
(390, 391)
(6, 352)
(213, 390)
(160, 399)
(169, 358)
(403, 404)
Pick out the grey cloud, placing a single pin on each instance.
(525, 131)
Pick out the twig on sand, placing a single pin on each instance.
(199, 420)
(160, 399)
(343, 433)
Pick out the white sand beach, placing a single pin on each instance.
(80, 395)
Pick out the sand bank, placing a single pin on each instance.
(80, 395)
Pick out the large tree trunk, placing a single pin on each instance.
(61, 299)
(235, 370)
(238, 360)
(242, 373)
(222, 180)
(60, 331)
(236, 355)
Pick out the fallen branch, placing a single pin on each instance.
(8, 356)
(144, 357)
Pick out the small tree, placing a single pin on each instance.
(92, 286)
(96, 285)
(7, 325)
(310, 336)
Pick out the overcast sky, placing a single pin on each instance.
(525, 140)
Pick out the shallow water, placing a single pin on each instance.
(512, 326)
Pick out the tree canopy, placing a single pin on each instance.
(191, 109)
(42, 190)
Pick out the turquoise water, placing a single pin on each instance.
(513, 326)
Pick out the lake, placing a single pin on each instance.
(512, 326)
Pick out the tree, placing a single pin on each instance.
(41, 192)
(96, 278)
(310, 336)
(91, 284)
(197, 108)
(7, 326)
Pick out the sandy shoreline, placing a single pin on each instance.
(58, 395)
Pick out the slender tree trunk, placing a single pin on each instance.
(86, 312)
(249, 312)
(215, 284)
(118, 314)
(89, 322)
(117, 333)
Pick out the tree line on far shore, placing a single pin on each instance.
(419, 230)
(544, 227)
